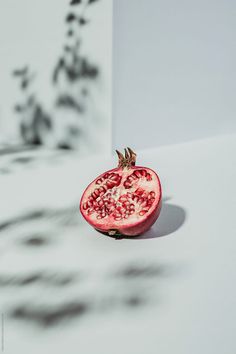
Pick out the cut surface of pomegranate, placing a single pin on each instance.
(123, 201)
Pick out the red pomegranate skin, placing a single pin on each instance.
(123, 201)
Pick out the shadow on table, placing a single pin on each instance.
(172, 217)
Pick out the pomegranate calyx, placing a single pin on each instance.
(128, 160)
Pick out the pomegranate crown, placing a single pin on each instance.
(127, 160)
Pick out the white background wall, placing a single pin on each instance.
(33, 33)
(174, 70)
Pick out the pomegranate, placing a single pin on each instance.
(123, 201)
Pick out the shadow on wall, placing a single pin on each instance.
(71, 78)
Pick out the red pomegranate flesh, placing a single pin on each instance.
(123, 201)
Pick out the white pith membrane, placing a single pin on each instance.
(128, 200)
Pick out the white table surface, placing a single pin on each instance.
(188, 296)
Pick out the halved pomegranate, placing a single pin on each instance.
(123, 201)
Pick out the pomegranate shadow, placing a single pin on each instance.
(172, 217)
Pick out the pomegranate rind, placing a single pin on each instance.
(125, 227)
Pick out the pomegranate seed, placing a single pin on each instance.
(142, 212)
(144, 173)
(106, 175)
(122, 198)
(90, 204)
(145, 209)
(99, 217)
(137, 174)
(134, 176)
(135, 199)
(152, 194)
(102, 190)
(129, 179)
(139, 191)
(129, 195)
(127, 185)
(85, 206)
(141, 200)
(148, 177)
(115, 177)
(99, 181)
(110, 184)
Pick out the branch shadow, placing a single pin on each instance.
(172, 217)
